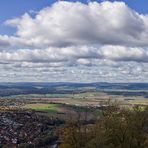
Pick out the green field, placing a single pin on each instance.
(51, 108)
(64, 111)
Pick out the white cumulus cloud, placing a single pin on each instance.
(73, 41)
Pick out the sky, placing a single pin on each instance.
(73, 41)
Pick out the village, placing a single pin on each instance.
(19, 128)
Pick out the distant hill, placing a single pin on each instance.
(97, 85)
(7, 89)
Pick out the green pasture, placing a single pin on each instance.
(50, 108)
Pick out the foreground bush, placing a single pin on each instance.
(117, 128)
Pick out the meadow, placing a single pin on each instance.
(46, 107)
